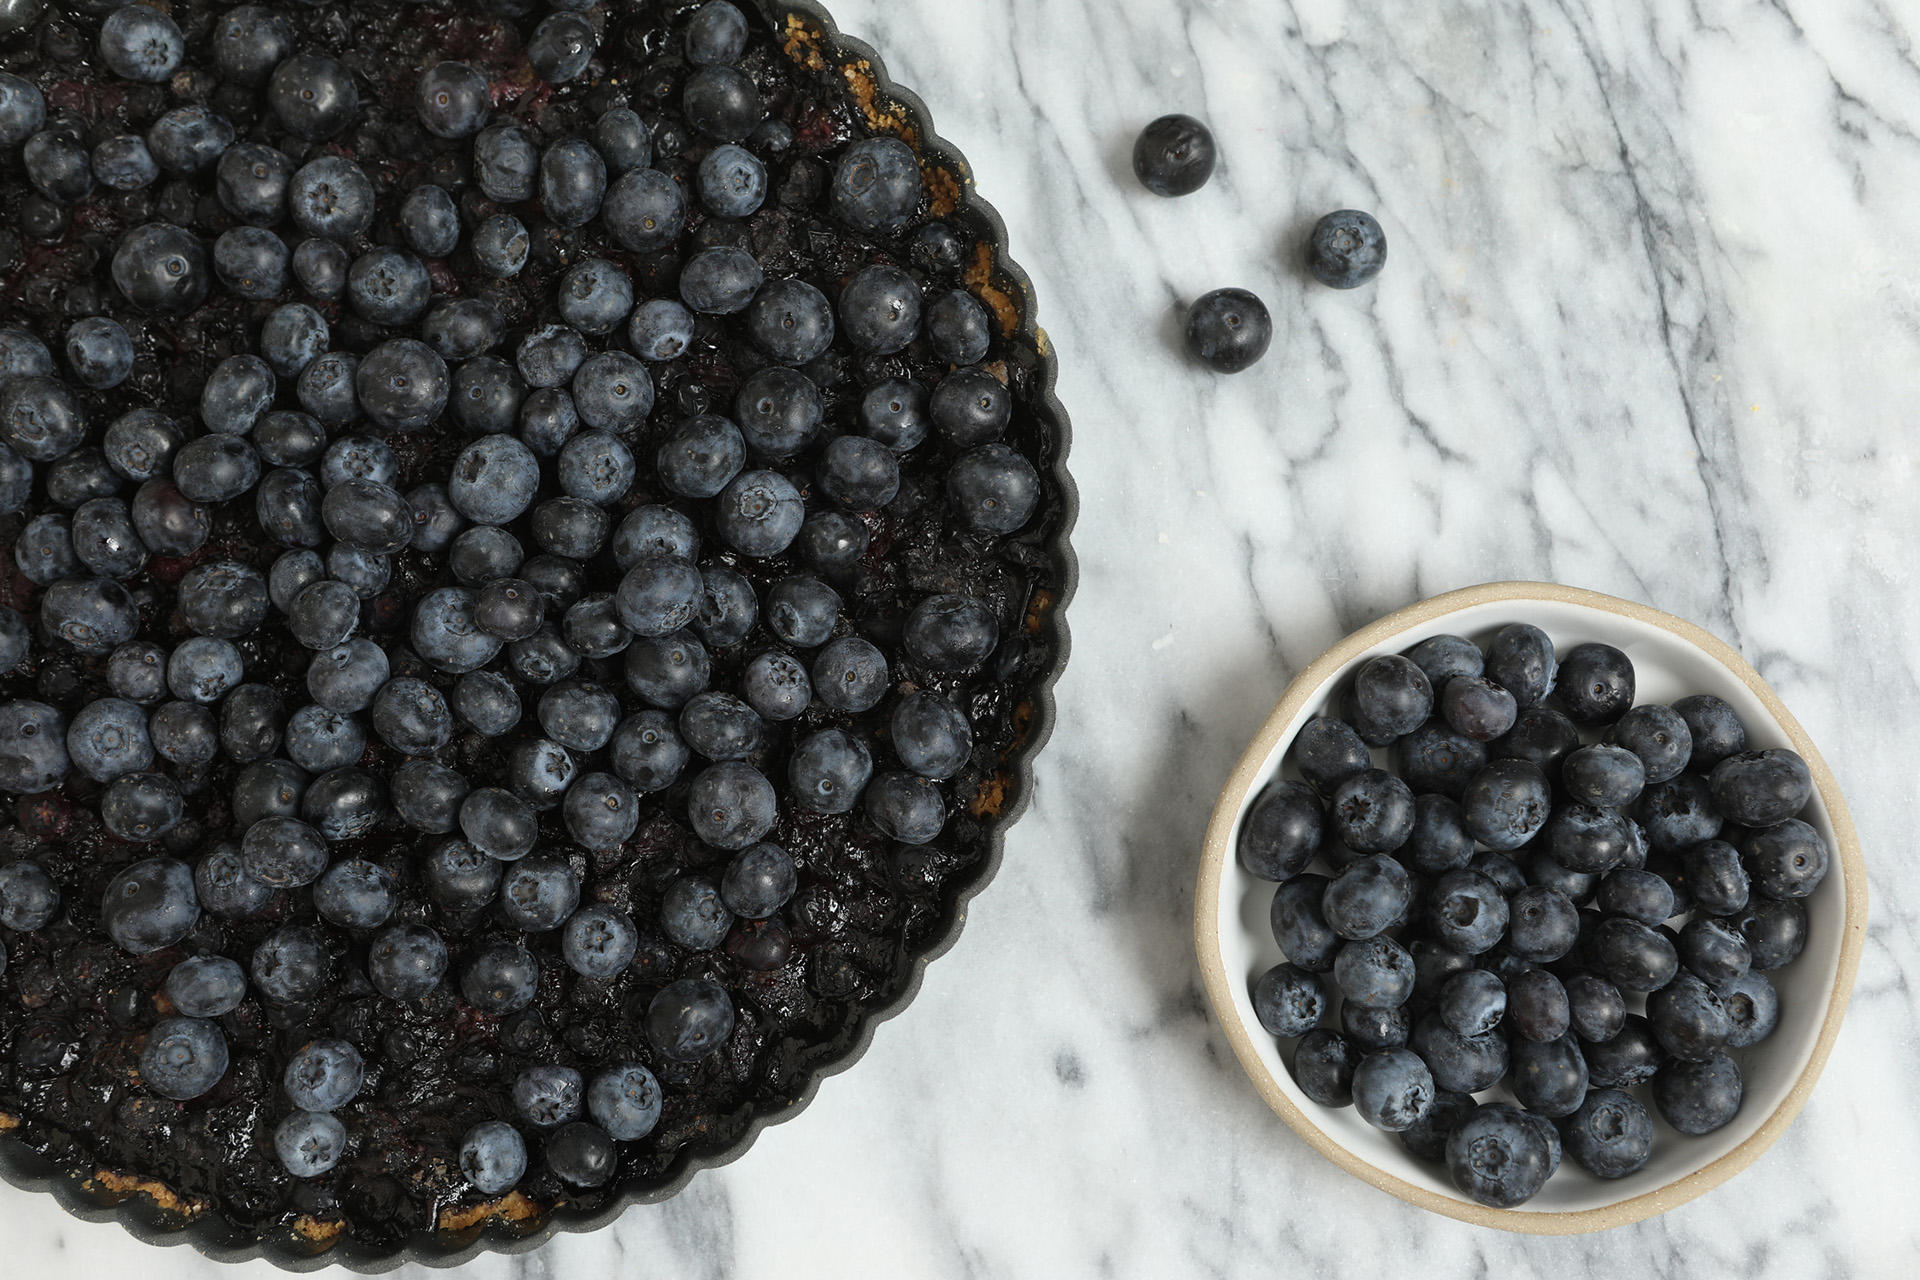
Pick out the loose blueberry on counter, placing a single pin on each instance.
(1174, 156)
(1228, 330)
(1346, 249)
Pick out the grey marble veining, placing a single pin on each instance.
(1651, 325)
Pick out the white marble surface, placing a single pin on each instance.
(1651, 325)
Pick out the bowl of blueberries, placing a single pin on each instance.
(1533, 907)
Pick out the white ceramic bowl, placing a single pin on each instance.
(1671, 659)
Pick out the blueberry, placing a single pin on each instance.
(487, 701)
(1444, 657)
(1679, 813)
(15, 639)
(40, 418)
(139, 43)
(1753, 1009)
(292, 337)
(548, 1096)
(139, 446)
(313, 95)
(509, 609)
(1174, 156)
(309, 1143)
(248, 42)
(355, 895)
(1328, 752)
(402, 383)
(215, 469)
(290, 964)
(582, 1154)
(1633, 956)
(880, 310)
(561, 47)
(720, 281)
(1369, 896)
(612, 392)
(1436, 759)
(104, 538)
(1699, 1097)
(624, 141)
(1538, 1007)
(906, 807)
(897, 414)
(22, 109)
(660, 329)
(645, 210)
(779, 411)
(267, 789)
(483, 554)
(731, 805)
(1611, 1135)
(1506, 804)
(648, 752)
(1587, 839)
(1595, 682)
(859, 474)
(343, 804)
(499, 823)
(1461, 1064)
(693, 914)
(993, 490)
(573, 181)
(1714, 951)
(876, 186)
(1596, 1010)
(1323, 1065)
(548, 420)
(958, 328)
(1374, 973)
(500, 245)
(206, 986)
(1603, 775)
(500, 978)
(1658, 737)
(1392, 1089)
(1279, 835)
(493, 1157)
(1761, 788)
(1347, 249)
(183, 1057)
(326, 389)
(1289, 1001)
(790, 321)
(1499, 1156)
(657, 597)
(760, 513)
(689, 1019)
(346, 677)
(1228, 330)
(1372, 812)
(1477, 707)
(599, 942)
(251, 182)
(427, 796)
(592, 627)
(28, 896)
(452, 100)
(460, 878)
(722, 103)
(283, 853)
(1521, 660)
(507, 166)
(776, 686)
(850, 674)
(579, 715)
(94, 615)
(733, 184)
(141, 806)
(1714, 730)
(700, 456)
(321, 267)
(1717, 878)
(1466, 912)
(493, 479)
(1473, 1002)
(324, 1075)
(832, 543)
(121, 163)
(331, 197)
(1300, 928)
(1775, 930)
(100, 352)
(716, 36)
(189, 140)
(108, 738)
(1439, 840)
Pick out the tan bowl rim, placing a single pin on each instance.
(1247, 774)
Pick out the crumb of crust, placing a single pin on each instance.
(320, 1231)
(802, 45)
(1042, 343)
(162, 1195)
(859, 77)
(513, 1206)
(979, 278)
(1038, 608)
(1022, 721)
(943, 187)
(991, 796)
(8, 1123)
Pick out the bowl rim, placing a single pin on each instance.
(138, 1205)
(1249, 773)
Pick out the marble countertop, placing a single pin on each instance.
(1650, 325)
